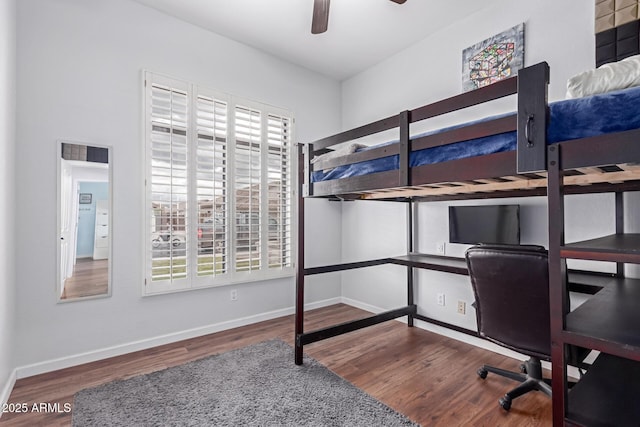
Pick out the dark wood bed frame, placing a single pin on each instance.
(605, 163)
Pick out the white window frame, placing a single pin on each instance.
(231, 276)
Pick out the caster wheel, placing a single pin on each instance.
(482, 373)
(505, 402)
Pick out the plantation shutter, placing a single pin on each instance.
(218, 206)
(279, 194)
(211, 187)
(168, 180)
(247, 182)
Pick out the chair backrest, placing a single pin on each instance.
(511, 287)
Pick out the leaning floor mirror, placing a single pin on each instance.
(84, 221)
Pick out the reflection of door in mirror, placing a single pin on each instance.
(84, 222)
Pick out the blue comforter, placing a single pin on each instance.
(569, 119)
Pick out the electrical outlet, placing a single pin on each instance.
(440, 299)
(233, 295)
(440, 248)
(462, 307)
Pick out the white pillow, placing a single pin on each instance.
(606, 78)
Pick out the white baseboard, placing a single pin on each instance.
(6, 390)
(118, 350)
(363, 306)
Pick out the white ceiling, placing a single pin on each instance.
(361, 32)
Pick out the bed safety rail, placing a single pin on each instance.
(531, 122)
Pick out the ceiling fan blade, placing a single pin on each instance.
(399, 1)
(320, 16)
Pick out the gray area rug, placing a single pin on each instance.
(257, 385)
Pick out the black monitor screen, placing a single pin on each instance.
(484, 224)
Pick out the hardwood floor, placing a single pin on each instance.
(90, 277)
(429, 378)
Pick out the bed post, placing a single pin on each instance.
(410, 236)
(404, 179)
(533, 116)
(306, 152)
(299, 315)
(557, 282)
(619, 226)
(404, 119)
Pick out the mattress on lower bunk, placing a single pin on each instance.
(569, 119)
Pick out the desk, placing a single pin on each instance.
(583, 282)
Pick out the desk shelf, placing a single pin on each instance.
(607, 394)
(609, 320)
(579, 281)
(433, 262)
(614, 247)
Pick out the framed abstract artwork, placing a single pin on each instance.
(493, 59)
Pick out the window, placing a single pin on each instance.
(218, 188)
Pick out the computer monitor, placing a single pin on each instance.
(498, 224)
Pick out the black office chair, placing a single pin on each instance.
(511, 288)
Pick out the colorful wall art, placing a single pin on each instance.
(493, 59)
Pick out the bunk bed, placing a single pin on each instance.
(537, 159)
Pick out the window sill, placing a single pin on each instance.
(161, 288)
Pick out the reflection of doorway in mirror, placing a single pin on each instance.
(90, 270)
(90, 215)
(84, 222)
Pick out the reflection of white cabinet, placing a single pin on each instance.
(101, 244)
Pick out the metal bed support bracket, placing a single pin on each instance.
(533, 117)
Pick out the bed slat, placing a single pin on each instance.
(597, 176)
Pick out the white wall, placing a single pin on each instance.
(79, 78)
(7, 192)
(558, 32)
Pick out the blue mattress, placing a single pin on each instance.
(569, 119)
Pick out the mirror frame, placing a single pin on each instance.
(59, 284)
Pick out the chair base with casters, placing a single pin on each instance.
(531, 379)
